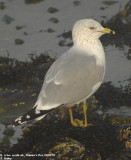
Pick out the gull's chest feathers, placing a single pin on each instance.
(91, 50)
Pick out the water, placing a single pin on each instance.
(122, 111)
(34, 20)
(118, 67)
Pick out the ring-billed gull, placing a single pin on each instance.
(75, 76)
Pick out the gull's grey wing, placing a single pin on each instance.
(70, 79)
(53, 72)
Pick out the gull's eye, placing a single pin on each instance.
(92, 28)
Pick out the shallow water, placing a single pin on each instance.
(31, 22)
(35, 20)
(118, 67)
(122, 111)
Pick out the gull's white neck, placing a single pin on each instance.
(93, 47)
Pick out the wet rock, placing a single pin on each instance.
(54, 20)
(123, 17)
(102, 8)
(123, 157)
(50, 30)
(67, 147)
(121, 23)
(19, 27)
(7, 19)
(61, 43)
(5, 144)
(125, 136)
(100, 140)
(119, 120)
(2, 5)
(25, 33)
(59, 137)
(125, 14)
(9, 131)
(69, 44)
(123, 111)
(64, 43)
(129, 54)
(110, 96)
(76, 3)
(41, 30)
(66, 35)
(109, 2)
(13, 72)
(52, 10)
(19, 41)
(33, 1)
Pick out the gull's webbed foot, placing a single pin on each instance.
(77, 123)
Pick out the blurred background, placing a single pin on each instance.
(33, 33)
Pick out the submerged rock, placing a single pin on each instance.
(33, 1)
(50, 30)
(54, 20)
(7, 19)
(19, 27)
(129, 54)
(52, 10)
(19, 41)
(109, 2)
(76, 3)
(2, 5)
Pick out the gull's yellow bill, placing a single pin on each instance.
(108, 31)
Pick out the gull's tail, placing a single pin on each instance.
(32, 114)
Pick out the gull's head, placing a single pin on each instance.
(87, 30)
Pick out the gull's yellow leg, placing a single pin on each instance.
(75, 122)
(71, 115)
(85, 113)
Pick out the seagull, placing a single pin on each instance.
(75, 76)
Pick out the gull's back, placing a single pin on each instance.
(71, 79)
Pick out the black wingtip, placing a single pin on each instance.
(32, 114)
(18, 121)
